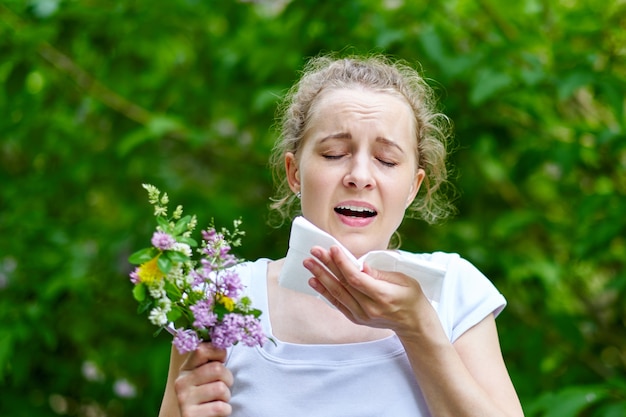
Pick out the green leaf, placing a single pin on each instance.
(172, 291)
(568, 84)
(164, 264)
(181, 225)
(489, 83)
(220, 311)
(142, 256)
(144, 306)
(176, 256)
(140, 292)
(132, 140)
(165, 225)
(569, 401)
(190, 241)
(182, 321)
(160, 125)
(174, 314)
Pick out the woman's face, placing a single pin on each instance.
(357, 167)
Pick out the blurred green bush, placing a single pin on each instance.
(99, 97)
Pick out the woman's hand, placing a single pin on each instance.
(203, 384)
(374, 298)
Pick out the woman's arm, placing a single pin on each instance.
(169, 405)
(198, 384)
(467, 378)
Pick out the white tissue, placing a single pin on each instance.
(305, 235)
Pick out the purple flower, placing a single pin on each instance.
(209, 234)
(134, 276)
(203, 314)
(231, 284)
(163, 241)
(186, 341)
(237, 328)
(199, 276)
(228, 332)
(228, 260)
(253, 332)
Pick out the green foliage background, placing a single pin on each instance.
(100, 96)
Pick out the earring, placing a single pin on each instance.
(298, 195)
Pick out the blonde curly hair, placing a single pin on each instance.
(380, 74)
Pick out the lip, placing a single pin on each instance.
(356, 221)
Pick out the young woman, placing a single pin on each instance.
(361, 145)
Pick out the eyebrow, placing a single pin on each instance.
(347, 135)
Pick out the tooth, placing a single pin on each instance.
(357, 209)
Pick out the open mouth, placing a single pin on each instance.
(355, 211)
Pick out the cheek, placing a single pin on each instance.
(317, 178)
(399, 194)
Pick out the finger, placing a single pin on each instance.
(347, 272)
(205, 400)
(391, 277)
(330, 259)
(206, 352)
(211, 371)
(324, 257)
(343, 297)
(207, 383)
(190, 390)
(211, 409)
(319, 272)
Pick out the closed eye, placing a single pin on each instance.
(332, 157)
(386, 163)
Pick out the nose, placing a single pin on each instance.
(360, 174)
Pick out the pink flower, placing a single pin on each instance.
(203, 314)
(186, 341)
(163, 241)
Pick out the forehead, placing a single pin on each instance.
(336, 110)
(360, 99)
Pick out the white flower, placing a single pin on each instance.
(153, 193)
(124, 389)
(157, 289)
(189, 279)
(192, 223)
(91, 371)
(158, 316)
(178, 212)
(160, 210)
(165, 304)
(176, 274)
(182, 248)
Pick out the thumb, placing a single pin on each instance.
(206, 352)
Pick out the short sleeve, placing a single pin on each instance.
(468, 296)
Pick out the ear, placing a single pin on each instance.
(293, 171)
(415, 186)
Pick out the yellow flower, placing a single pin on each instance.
(227, 302)
(149, 272)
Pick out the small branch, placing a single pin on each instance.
(92, 86)
(82, 78)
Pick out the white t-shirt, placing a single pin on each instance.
(348, 380)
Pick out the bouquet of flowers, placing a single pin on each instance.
(195, 300)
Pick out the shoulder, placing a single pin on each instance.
(249, 269)
(467, 294)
